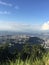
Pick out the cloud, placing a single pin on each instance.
(24, 27)
(45, 26)
(4, 3)
(9, 4)
(13, 26)
(4, 12)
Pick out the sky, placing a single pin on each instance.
(24, 15)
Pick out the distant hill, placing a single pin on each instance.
(35, 40)
(30, 41)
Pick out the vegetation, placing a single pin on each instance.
(29, 55)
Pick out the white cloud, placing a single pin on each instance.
(9, 4)
(4, 3)
(13, 26)
(45, 26)
(4, 12)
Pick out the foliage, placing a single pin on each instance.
(29, 55)
(43, 61)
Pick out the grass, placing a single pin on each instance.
(43, 61)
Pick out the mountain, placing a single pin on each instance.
(35, 40)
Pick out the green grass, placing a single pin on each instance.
(43, 61)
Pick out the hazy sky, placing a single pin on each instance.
(24, 15)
